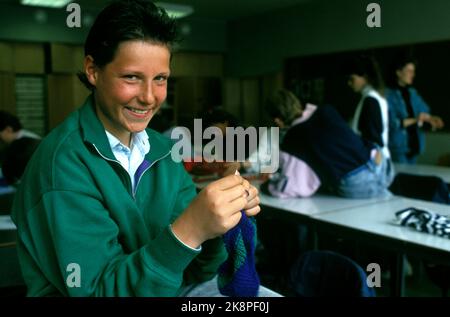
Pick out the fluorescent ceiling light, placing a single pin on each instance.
(176, 11)
(46, 3)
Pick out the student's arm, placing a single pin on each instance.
(295, 179)
(418, 103)
(436, 122)
(396, 120)
(409, 122)
(370, 121)
(68, 227)
(205, 265)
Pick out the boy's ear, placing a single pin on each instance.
(90, 69)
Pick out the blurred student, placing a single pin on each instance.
(223, 165)
(17, 155)
(409, 114)
(11, 128)
(320, 150)
(371, 117)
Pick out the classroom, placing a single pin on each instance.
(189, 148)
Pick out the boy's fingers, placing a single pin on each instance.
(252, 211)
(227, 182)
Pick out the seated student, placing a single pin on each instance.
(102, 209)
(222, 120)
(17, 155)
(319, 150)
(11, 128)
(248, 158)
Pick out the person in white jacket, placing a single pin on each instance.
(371, 118)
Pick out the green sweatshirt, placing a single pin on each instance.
(82, 231)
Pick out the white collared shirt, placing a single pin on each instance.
(130, 157)
(22, 133)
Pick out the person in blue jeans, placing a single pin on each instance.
(320, 151)
(409, 114)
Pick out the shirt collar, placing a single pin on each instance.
(307, 113)
(140, 140)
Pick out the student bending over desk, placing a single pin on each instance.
(319, 150)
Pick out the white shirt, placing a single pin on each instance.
(130, 157)
(368, 91)
(26, 134)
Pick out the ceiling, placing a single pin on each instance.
(207, 9)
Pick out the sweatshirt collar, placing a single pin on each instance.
(93, 132)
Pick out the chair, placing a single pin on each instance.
(325, 273)
(430, 188)
(440, 275)
(11, 279)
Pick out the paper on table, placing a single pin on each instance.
(6, 223)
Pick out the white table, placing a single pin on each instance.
(375, 223)
(7, 232)
(379, 219)
(317, 204)
(424, 170)
(6, 223)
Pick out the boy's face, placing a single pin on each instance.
(130, 89)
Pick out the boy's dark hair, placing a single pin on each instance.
(126, 20)
(8, 119)
(17, 155)
(285, 106)
(367, 66)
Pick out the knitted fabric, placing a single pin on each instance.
(237, 275)
(425, 221)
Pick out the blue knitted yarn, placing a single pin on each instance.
(237, 275)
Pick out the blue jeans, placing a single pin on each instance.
(210, 289)
(368, 181)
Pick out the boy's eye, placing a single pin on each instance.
(131, 77)
(161, 78)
